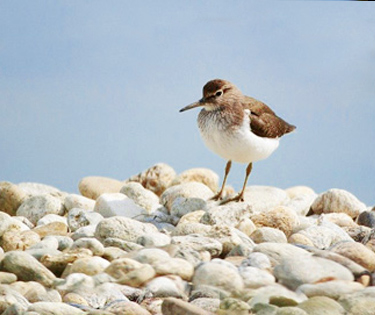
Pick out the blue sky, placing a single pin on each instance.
(94, 88)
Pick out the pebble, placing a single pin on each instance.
(87, 265)
(49, 218)
(231, 214)
(318, 305)
(301, 203)
(296, 191)
(143, 197)
(54, 308)
(154, 240)
(72, 201)
(198, 243)
(200, 175)
(367, 218)
(53, 228)
(173, 306)
(9, 297)
(78, 218)
(126, 307)
(333, 289)
(90, 243)
(11, 197)
(166, 287)
(15, 240)
(93, 186)
(268, 235)
(255, 278)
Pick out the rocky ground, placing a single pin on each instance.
(154, 244)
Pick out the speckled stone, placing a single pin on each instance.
(93, 186)
(143, 197)
(11, 197)
(200, 175)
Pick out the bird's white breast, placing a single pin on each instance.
(238, 144)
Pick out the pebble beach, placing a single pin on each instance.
(156, 244)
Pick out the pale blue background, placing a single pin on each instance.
(94, 87)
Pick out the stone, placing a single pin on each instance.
(88, 265)
(246, 226)
(53, 228)
(78, 218)
(84, 231)
(267, 234)
(298, 270)
(198, 243)
(289, 310)
(320, 305)
(53, 308)
(124, 245)
(190, 228)
(164, 287)
(301, 204)
(35, 292)
(185, 191)
(182, 206)
(126, 308)
(64, 242)
(74, 298)
(94, 186)
(173, 306)
(258, 260)
(255, 278)
(333, 289)
(8, 297)
(200, 175)
(296, 191)
(92, 244)
(8, 223)
(72, 201)
(117, 204)
(35, 189)
(11, 197)
(123, 228)
(233, 306)
(7, 277)
(357, 252)
(143, 197)
(209, 305)
(240, 250)
(367, 218)
(156, 178)
(26, 268)
(218, 275)
(175, 266)
(231, 214)
(338, 200)
(49, 218)
(192, 217)
(111, 253)
(154, 240)
(281, 218)
(360, 302)
(36, 207)
(300, 239)
(15, 240)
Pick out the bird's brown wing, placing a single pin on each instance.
(263, 120)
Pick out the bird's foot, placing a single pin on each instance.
(238, 198)
(218, 196)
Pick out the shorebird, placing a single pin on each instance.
(237, 127)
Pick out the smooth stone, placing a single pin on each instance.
(360, 302)
(209, 305)
(241, 250)
(321, 305)
(26, 268)
(111, 253)
(175, 266)
(64, 242)
(88, 265)
(231, 214)
(36, 207)
(190, 228)
(143, 197)
(193, 256)
(299, 190)
(199, 243)
(72, 201)
(126, 307)
(338, 200)
(8, 223)
(200, 175)
(258, 260)
(34, 189)
(94, 186)
(7, 277)
(299, 239)
(333, 289)
(340, 218)
(289, 310)
(123, 228)
(281, 218)
(268, 234)
(165, 287)
(121, 244)
(156, 178)
(15, 240)
(233, 306)
(173, 306)
(357, 252)
(246, 226)
(53, 228)
(84, 231)
(9, 296)
(74, 298)
(25, 221)
(75, 282)
(11, 197)
(130, 272)
(154, 240)
(263, 198)
(255, 278)
(38, 253)
(49, 218)
(117, 204)
(367, 218)
(185, 191)
(298, 270)
(218, 275)
(181, 206)
(151, 255)
(35, 292)
(207, 291)
(53, 308)
(49, 242)
(16, 309)
(192, 217)
(301, 203)
(78, 218)
(92, 244)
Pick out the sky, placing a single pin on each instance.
(94, 88)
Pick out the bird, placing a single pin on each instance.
(238, 128)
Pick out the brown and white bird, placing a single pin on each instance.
(237, 127)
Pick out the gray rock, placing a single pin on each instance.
(182, 206)
(78, 218)
(268, 235)
(165, 287)
(123, 245)
(321, 305)
(258, 260)
(367, 218)
(92, 244)
(49, 242)
(64, 242)
(255, 278)
(8, 297)
(144, 198)
(154, 240)
(333, 289)
(85, 231)
(209, 305)
(360, 302)
(234, 306)
(198, 243)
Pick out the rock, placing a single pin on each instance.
(332, 289)
(109, 205)
(84, 231)
(218, 275)
(74, 298)
(357, 252)
(53, 228)
(281, 218)
(209, 305)
(35, 292)
(360, 302)
(64, 242)
(234, 306)
(172, 306)
(255, 278)
(181, 206)
(78, 218)
(49, 218)
(8, 297)
(338, 200)
(130, 272)
(258, 260)
(156, 178)
(144, 198)
(88, 265)
(319, 305)
(112, 253)
(154, 240)
(192, 217)
(299, 239)
(15, 240)
(72, 201)
(200, 175)
(124, 245)
(341, 219)
(92, 244)
(193, 256)
(166, 287)
(126, 307)
(267, 234)
(11, 197)
(367, 218)
(94, 186)
(246, 226)
(34, 189)
(190, 228)
(36, 207)
(231, 214)
(26, 268)
(289, 310)
(185, 191)
(240, 250)
(263, 198)
(198, 243)
(123, 228)
(301, 204)
(8, 223)
(296, 191)
(7, 277)
(53, 308)
(293, 272)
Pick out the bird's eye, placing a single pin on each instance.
(219, 93)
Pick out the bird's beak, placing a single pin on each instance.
(196, 104)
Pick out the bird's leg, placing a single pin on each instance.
(227, 169)
(240, 196)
